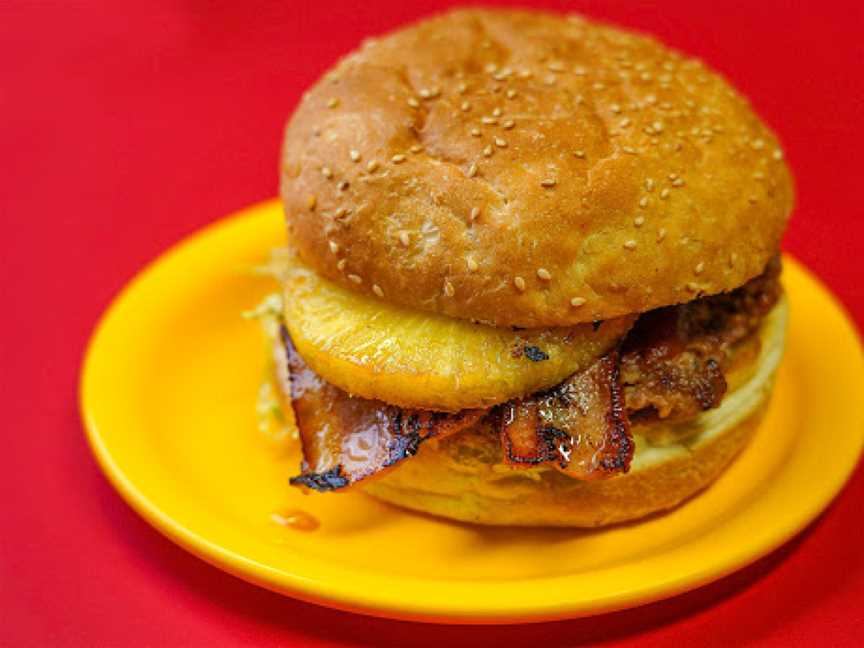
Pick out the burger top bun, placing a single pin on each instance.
(527, 169)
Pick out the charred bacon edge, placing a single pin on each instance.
(553, 445)
(408, 429)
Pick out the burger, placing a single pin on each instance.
(532, 274)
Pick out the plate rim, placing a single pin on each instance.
(407, 608)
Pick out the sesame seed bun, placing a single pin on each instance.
(463, 477)
(528, 169)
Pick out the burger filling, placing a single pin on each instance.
(675, 363)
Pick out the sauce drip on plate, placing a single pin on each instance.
(296, 519)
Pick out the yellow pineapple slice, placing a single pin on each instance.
(414, 359)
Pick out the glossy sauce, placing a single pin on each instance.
(296, 520)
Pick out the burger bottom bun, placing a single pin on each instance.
(462, 477)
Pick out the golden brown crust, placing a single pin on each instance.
(605, 168)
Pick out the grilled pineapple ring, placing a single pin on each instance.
(414, 359)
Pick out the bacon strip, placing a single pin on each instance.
(347, 439)
(580, 426)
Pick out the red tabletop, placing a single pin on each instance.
(124, 126)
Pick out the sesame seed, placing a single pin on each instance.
(673, 176)
(650, 99)
(777, 154)
(507, 125)
(543, 274)
(475, 213)
(489, 120)
(316, 131)
(496, 112)
(372, 165)
(664, 194)
(357, 279)
(487, 151)
(326, 172)
(462, 88)
(416, 148)
(599, 86)
(472, 170)
(579, 154)
(630, 150)
(576, 302)
(472, 265)
(658, 127)
(615, 108)
(630, 245)
(549, 80)
(639, 221)
(334, 247)
(377, 290)
(643, 201)
(500, 143)
(398, 158)
(624, 123)
(404, 238)
(332, 102)
(556, 66)
(580, 71)
(413, 102)
(511, 94)
(475, 132)
(342, 186)
(758, 143)
(661, 234)
(752, 199)
(692, 286)
(645, 76)
(355, 155)
(548, 182)
(649, 184)
(699, 268)
(340, 212)
(758, 175)
(519, 282)
(466, 106)
(449, 291)
(311, 201)
(490, 68)
(732, 258)
(340, 266)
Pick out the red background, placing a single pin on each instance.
(125, 126)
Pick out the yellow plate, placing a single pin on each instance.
(168, 392)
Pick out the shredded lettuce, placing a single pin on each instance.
(272, 419)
